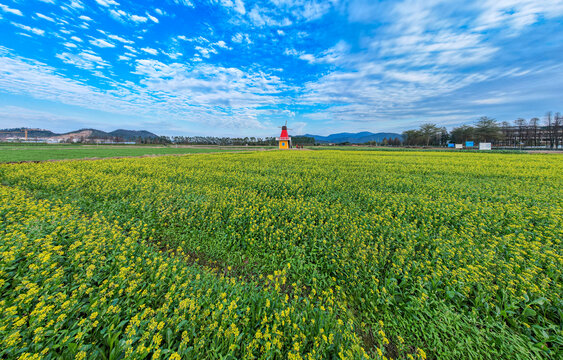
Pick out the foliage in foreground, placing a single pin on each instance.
(458, 255)
(81, 287)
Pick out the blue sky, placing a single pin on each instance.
(242, 67)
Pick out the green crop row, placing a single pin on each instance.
(443, 255)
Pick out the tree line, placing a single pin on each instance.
(228, 141)
(533, 132)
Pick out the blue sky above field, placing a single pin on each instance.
(242, 67)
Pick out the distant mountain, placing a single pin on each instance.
(125, 135)
(354, 138)
(87, 134)
(133, 134)
(4, 133)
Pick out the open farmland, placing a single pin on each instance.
(299, 255)
(40, 152)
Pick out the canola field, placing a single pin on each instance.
(283, 255)
(41, 152)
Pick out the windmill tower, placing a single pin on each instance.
(284, 140)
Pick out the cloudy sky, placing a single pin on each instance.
(242, 67)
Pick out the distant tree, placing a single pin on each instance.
(444, 137)
(461, 134)
(430, 133)
(507, 133)
(303, 140)
(549, 129)
(521, 125)
(412, 137)
(558, 129)
(534, 130)
(487, 130)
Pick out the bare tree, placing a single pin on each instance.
(521, 124)
(534, 128)
(549, 129)
(557, 129)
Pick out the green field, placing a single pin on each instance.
(17, 153)
(284, 255)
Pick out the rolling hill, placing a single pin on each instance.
(122, 134)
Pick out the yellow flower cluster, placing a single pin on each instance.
(458, 254)
(81, 304)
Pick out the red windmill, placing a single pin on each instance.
(284, 139)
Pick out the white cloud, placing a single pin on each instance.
(236, 5)
(240, 38)
(7, 9)
(130, 48)
(173, 55)
(413, 76)
(205, 52)
(101, 43)
(263, 17)
(117, 14)
(209, 48)
(335, 54)
(218, 97)
(492, 101)
(85, 60)
(287, 12)
(139, 19)
(184, 2)
(149, 50)
(516, 14)
(76, 5)
(76, 38)
(107, 3)
(221, 44)
(45, 17)
(211, 86)
(121, 16)
(153, 19)
(314, 10)
(408, 52)
(297, 126)
(120, 39)
(239, 7)
(36, 31)
(199, 39)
